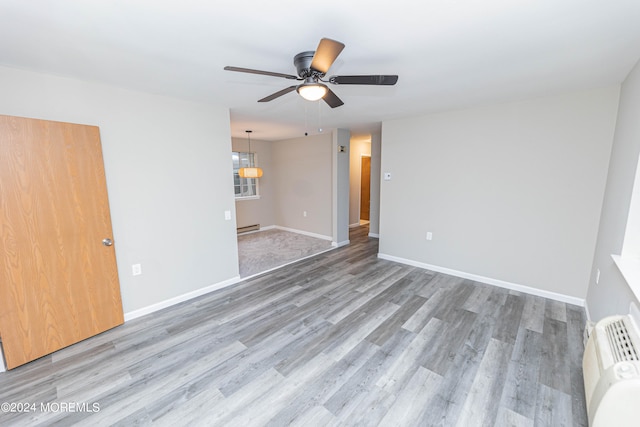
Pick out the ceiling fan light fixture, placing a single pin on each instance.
(312, 91)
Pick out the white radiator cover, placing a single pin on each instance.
(611, 368)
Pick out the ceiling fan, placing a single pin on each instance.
(312, 66)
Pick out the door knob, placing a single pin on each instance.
(107, 242)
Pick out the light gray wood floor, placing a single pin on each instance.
(342, 338)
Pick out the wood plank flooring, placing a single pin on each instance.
(340, 339)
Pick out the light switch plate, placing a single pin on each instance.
(136, 269)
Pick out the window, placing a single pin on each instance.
(244, 187)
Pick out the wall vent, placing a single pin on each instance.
(622, 348)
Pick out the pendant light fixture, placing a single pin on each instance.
(251, 171)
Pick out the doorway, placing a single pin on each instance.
(287, 222)
(365, 189)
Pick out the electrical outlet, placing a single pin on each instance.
(429, 235)
(304, 214)
(136, 269)
(227, 215)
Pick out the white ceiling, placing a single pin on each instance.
(448, 54)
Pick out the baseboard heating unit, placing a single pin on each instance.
(247, 228)
(611, 368)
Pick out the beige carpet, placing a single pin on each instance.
(264, 250)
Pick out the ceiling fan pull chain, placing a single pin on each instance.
(306, 118)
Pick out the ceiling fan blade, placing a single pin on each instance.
(266, 73)
(327, 52)
(387, 80)
(278, 94)
(332, 99)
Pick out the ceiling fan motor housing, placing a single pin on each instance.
(302, 62)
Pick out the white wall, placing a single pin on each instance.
(302, 182)
(374, 214)
(169, 178)
(359, 148)
(510, 192)
(258, 211)
(340, 185)
(612, 295)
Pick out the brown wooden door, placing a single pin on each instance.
(58, 281)
(365, 187)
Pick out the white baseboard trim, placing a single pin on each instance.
(180, 298)
(292, 230)
(340, 244)
(374, 235)
(496, 282)
(306, 233)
